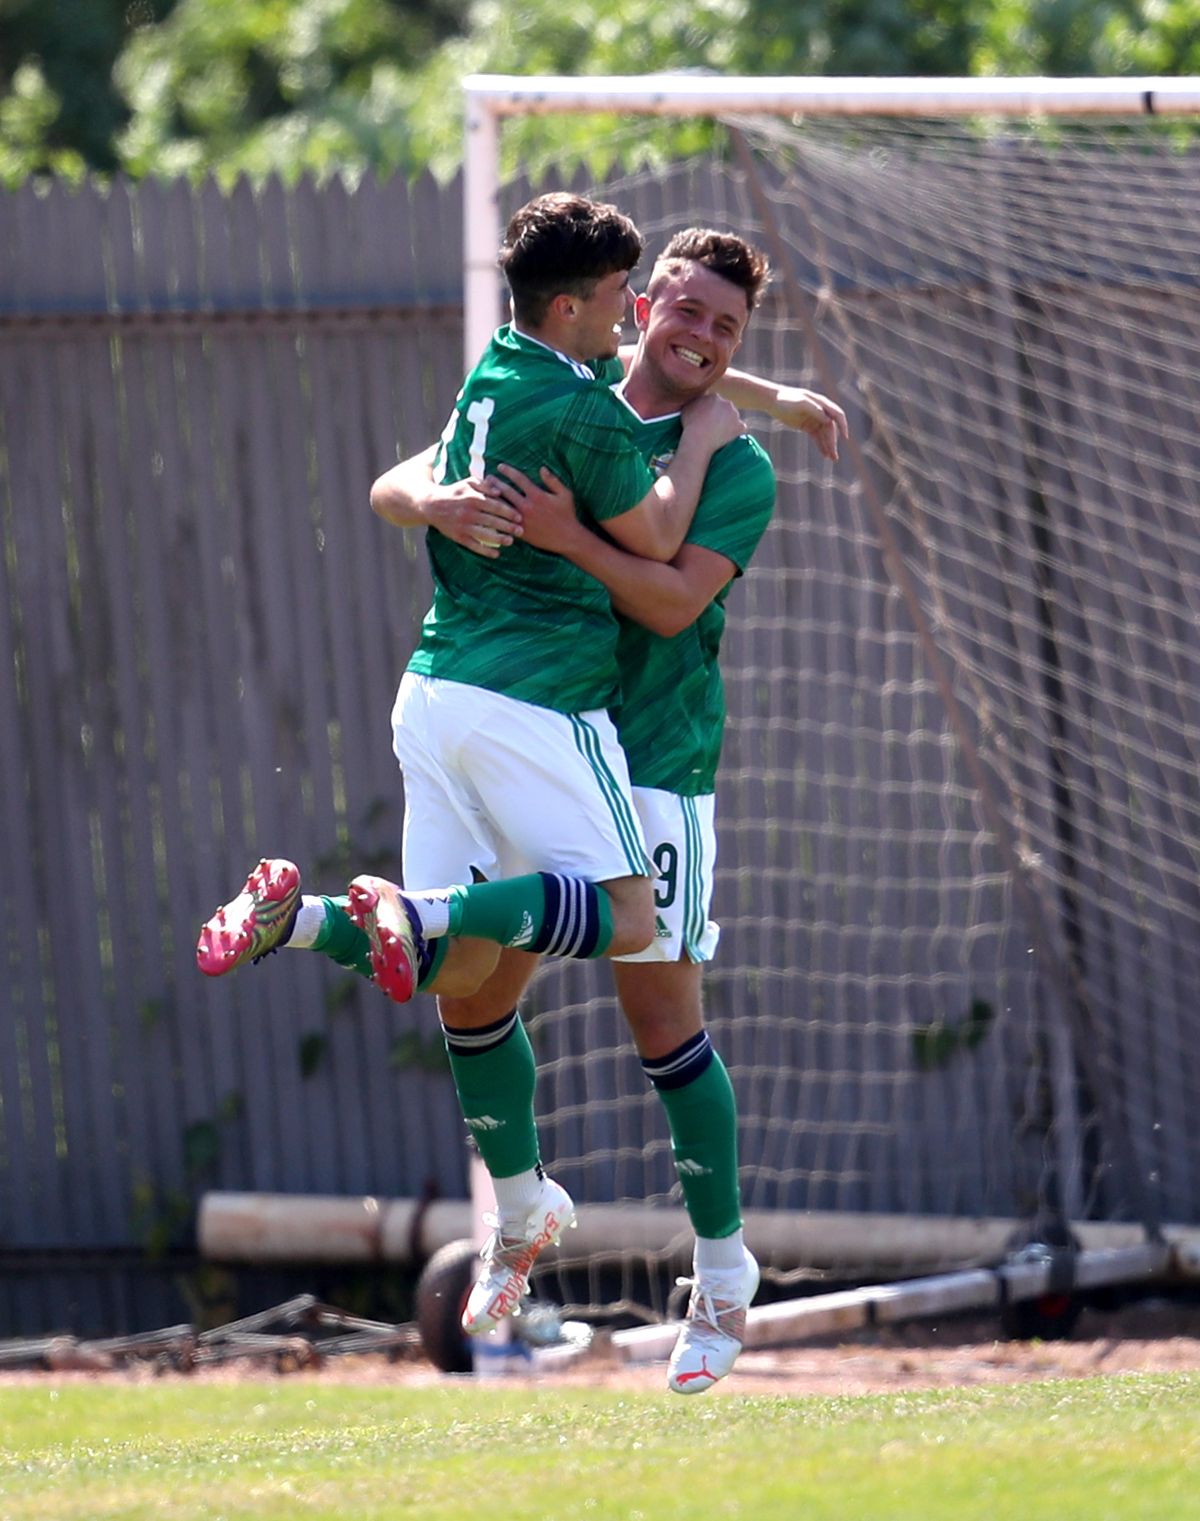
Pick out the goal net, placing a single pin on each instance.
(958, 813)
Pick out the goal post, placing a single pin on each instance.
(958, 817)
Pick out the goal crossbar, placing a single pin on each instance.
(699, 95)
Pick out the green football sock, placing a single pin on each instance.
(495, 1074)
(341, 940)
(702, 1115)
(543, 912)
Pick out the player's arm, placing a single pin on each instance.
(408, 496)
(656, 526)
(664, 597)
(792, 406)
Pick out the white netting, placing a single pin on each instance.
(958, 813)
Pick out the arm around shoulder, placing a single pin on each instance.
(657, 525)
(401, 495)
(408, 497)
(665, 597)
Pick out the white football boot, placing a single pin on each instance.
(714, 1328)
(509, 1256)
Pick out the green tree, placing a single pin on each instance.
(1089, 37)
(1148, 37)
(60, 109)
(780, 37)
(1052, 37)
(869, 37)
(283, 86)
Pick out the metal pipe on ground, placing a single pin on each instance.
(795, 1320)
(292, 1228)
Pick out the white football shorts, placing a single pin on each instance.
(682, 842)
(495, 787)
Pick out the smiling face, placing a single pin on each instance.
(691, 325)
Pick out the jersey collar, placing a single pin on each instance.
(514, 334)
(618, 391)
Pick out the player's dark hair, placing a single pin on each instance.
(724, 253)
(563, 244)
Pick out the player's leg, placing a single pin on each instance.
(571, 814)
(631, 902)
(270, 912)
(478, 769)
(493, 1068)
(444, 838)
(372, 929)
(256, 921)
(494, 1072)
(449, 836)
(548, 913)
(661, 1003)
(661, 995)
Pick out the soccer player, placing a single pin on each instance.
(670, 719)
(516, 788)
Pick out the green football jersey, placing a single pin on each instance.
(530, 624)
(672, 714)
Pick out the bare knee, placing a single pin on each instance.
(632, 900)
(483, 1003)
(467, 966)
(659, 1031)
(661, 1002)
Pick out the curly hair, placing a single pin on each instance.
(563, 243)
(724, 253)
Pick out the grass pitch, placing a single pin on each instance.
(1125, 1448)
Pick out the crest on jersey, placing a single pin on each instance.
(661, 462)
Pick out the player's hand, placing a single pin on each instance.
(468, 514)
(823, 420)
(718, 419)
(547, 509)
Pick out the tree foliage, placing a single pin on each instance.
(863, 37)
(1059, 37)
(277, 85)
(289, 86)
(60, 108)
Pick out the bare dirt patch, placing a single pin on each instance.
(1153, 1337)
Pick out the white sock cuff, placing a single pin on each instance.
(516, 1196)
(433, 911)
(724, 1255)
(310, 921)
